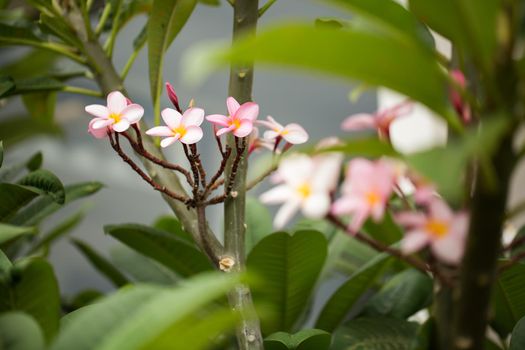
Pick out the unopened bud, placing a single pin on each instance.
(234, 194)
(172, 96)
(226, 263)
(192, 103)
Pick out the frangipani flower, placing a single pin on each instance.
(117, 116)
(442, 229)
(292, 133)
(304, 186)
(380, 120)
(367, 187)
(240, 119)
(460, 105)
(185, 127)
(255, 142)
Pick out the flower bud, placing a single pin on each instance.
(173, 96)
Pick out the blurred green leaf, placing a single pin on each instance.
(31, 287)
(517, 340)
(307, 339)
(387, 231)
(12, 198)
(330, 22)
(375, 334)
(11, 172)
(169, 250)
(34, 63)
(83, 298)
(59, 29)
(101, 264)
(346, 296)
(6, 85)
(210, 2)
(258, 222)
(402, 296)
(41, 106)
(9, 232)
(46, 183)
(31, 85)
(19, 128)
(172, 225)
(169, 18)
(13, 34)
(364, 147)
(289, 267)
(19, 331)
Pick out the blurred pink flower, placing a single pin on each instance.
(292, 133)
(185, 127)
(461, 107)
(240, 119)
(305, 184)
(366, 190)
(380, 120)
(442, 229)
(117, 116)
(255, 142)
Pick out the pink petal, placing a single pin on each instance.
(116, 102)
(270, 135)
(97, 133)
(121, 126)
(316, 206)
(225, 130)
(99, 111)
(295, 134)
(459, 225)
(248, 110)
(358, 219)
(160, 131)
(286, 212)
(278, 194)
(193, 116)
(440, 210)
(102, 123)
(168, 141)
(414, 241)
(132, 113)
(378, 211)
(361, 121)
(232, 105)
(244, 129)
(296, 170)
(384, 178)
(411, 219)
(171, 117)
(193, 134)
(346, 205)
(218, 119)
(449, 249)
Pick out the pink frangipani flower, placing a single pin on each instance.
(440, 228)
(117, 116)
(460, 105)
(185, 127)
(240, 119)
(292, 133)
(380, 120)
(303, 186)
(366, 189)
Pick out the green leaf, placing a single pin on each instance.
(210, 2)
(19, 331)
(307, 339)
(469, 24)
(387, 231)
(172, 225)
(84, 298)
(34, 63)
(5, 264)
(169, 250)
(31, 287)
(364, 147)
(382, 61)
(11, 172)
(169, 18)
(258, 222)
(402, 296)
(46, 183)
(508, 300)
(12, 198)
(14, 129)
(289, 267)
(41, 105)
(33, 85)
(101, 264)
(9, 232)
(136, 316)
(6, 85)
(375, 334)
(517, 340)
(346, 297)
(10, 34)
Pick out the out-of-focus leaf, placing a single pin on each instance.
(101, 264)
(508, 300)
(5, 264)
(172, 225)
(387, 231)
(19, 128)
(517, 340)
(289, 267)
(11, 172)
(375, 334)
(45, 182)
(58, 29)
(31, 287)
(6, 85)
(210, 2)
(330, 22)
(84, 298)
(258, 222)
(11, 34)
(9, 232)
(382, 61)
(307, 339)
(346, 297)
(12, 198)
(38, 84)
(169, 18)
(169, 250)
(364, 147)
(41, 105)
(35, 63)
(402, 296)
(19, 331)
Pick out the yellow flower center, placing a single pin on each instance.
(436, 228)
(115, 116)
(236, 123)
(304, 190)
(181, 130)
(373, 198)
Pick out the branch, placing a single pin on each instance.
(198, 163)
(266, 6)
(262, 176)
(511, 262)
(213, 182)
(194, 170)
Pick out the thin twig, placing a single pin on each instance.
(518, 241)
(262, 176)
(198, 163)
(213, 182)
(511, 262)
(240, 151)
(266, 6)
(194, 170)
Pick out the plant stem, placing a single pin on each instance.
(245, 16)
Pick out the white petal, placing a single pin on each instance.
(121, 126)
(449, 249)
(286, 212)
(295, 134)
(316, 206)
(193, 116)
(99, 111)
(132, 113)
(278, 194)
(193, 134)
(160, 131)
(116, 102)
(414, 241)
(168, 141)
(296, 169)
(171, 117)
(102, 123)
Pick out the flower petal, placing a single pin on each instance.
(168, 141)
(316, 206)
(244, 129)
(440, 210)
(278, 194)
(218, 119)
(270, 135)
(411, 219)
(358, 219)
(116, 102)
(248, 110)
(121, 126)
(361, 121)
(225, 130)
(132, 113)
(286, 212)
(97, 133)
(193, 134)
(346, 205)
(414, 241)
(295, 134)
(193, 116)
(449, 249)
(100, 123)
(296, 169)
(160, 131)
(171, 117)
(99, 111)
(232, 105)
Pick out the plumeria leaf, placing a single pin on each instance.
(101, 264)
(34, 63)
(6, 85)
(258, 222)
(387, 231)
(174, 253)
(41, 105)
(19, 331)
(14, 197)
(31, 287)
(364, 147)
(307, 339)
(172, 225)
(14, 129)
(10, 232)
(46, 183)
(290, 266)
(517, 340)
(83, 298)
(31, 85)
(346, 297)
